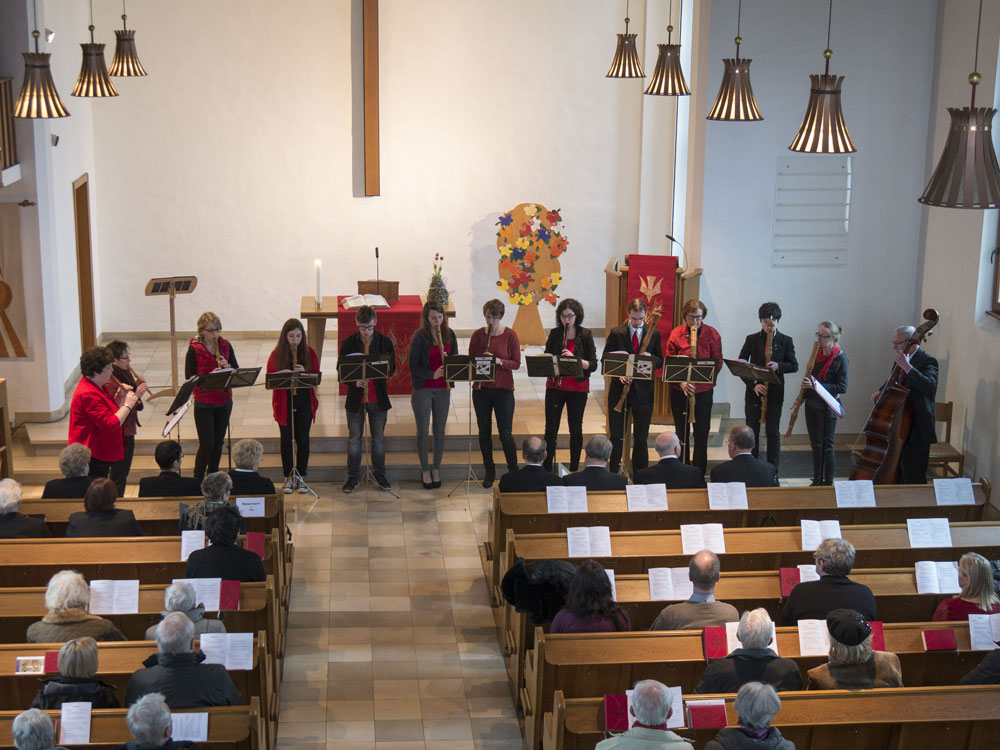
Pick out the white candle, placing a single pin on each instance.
(319, 283)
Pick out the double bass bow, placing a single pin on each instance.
(891, 419)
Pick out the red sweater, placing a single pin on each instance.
(279, 399)
(507, 348)
(709, 347)
(958, 610)
(92, 421)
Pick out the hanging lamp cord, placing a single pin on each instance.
(91, 27)
(829, 25)
(626, 16)
(974, 77)
(739, 37)
(34, 32)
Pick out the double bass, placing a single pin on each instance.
(891, 419)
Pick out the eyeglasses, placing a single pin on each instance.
(694, 317)
(823, 336)
(367, 328)
(211, 330)
(567, 316)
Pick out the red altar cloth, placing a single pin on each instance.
(651, 278)
(399, 323)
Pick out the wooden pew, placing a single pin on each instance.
(587, 664)
(965, 717)
(236, 727)
(525, 512)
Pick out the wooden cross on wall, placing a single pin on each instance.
(370, 64)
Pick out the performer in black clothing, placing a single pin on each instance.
(208, 352)
(628, 338)
(782, 361)
(830, 371)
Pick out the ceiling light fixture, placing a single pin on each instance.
(735, 101)
(668, 76)
(125, 63)
(626, 63)
(93, 80)
(38, 99)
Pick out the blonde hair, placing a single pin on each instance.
(247, 454)
(833, 328)
(841, 653)
(980, 586)
(207, 319)
(78, 658)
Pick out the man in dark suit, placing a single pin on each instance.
(782, 361)
(246, 481)
(814, 600)
(628, 338)
(742, 466)
(594, 476)
(920, 376)
(531, 477)
(669, 470)
(169, 483)
(14, 525)
(74, 463)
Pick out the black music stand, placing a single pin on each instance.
(755, 374)
(293, 381)
(553, 366)
(354, 367)
(472, 369)
(624, 365)
(221, 380)
(689, 370)
(179, 406)
(838, 411)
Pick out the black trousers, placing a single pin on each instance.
(120, 469)
(211, 423)
(641, 416)
(772, 429)
(702, 423)
(499, 401)
(303, 423)
(100, 469)
(820, 418)
(913, 461)
(575, 404)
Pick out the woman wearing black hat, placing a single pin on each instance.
(853, 664)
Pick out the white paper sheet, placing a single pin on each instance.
(814, 638)
(611, 579)
(635, 496)
(191, 541)
(676, 720)
(947, 574)
(698, 536)
(856, 493)
(718, 496)
(661, 585)
(927, 577)
(214, 646)
(74, 723)
(600, 541)
(954, 491)
(737, 495)
(814, 532)
(984, 632)
(251, 507)
(562, 471)
(807, 573)
(656, 497)
(189, 726)
(577, 541)
(555, 500)
(715, 539)
(239, 651)
(207, 591)
(929, 532)
(576, 499)
(683, 588)
(733, 642)
(114, 597)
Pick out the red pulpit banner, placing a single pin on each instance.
(651, 279)
(399, 322)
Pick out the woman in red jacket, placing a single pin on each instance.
(293, 354)
(94, 419)
(208, 352)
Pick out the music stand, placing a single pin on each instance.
(179, 406)
(221, 380)
(750, 371)
(553, 366)
(354, 367)
(625, 365)
(292, 381)
(471, 369)
(838, 411)
(171, 286)
(689, 370)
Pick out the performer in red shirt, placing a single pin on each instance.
(208, 352)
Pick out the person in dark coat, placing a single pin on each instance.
(813, 600)
(101, 518)
(223, 559)
(756, 706)
(13, 524)
(532, 477)
(670, 470)
(987, 672)
(77, 679)
(169, 482)
(853, 664)
(246, 481)
(742, 466)
(538, 588)
(150, 724)
(66, 599)
(215, 491)
(753, 662)
(590, 605)
(830, 371)
(33, 730)
(177, 672)
(594, 476)
(74, 463)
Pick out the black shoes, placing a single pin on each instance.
(491, 475)
(427, 485)
(350, 485)
(382, 482)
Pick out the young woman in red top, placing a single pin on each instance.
(978, 595)
(293, 354)
(206, 353)
(94, 419)
(123, 379)
(431, 392)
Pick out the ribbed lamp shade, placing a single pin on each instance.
(967, 176)
(93, 80)
(823, 130)
(735, 100)
(39, 98)
(126, 60)
(626, 63)
(668, 77)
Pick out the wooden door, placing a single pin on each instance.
(84, 262)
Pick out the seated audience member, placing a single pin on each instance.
(246, 481)
(589, 606)
(215, 489)
(169, 482)
(150, 724)
(978, 595)
(987, 672)
(14, 525)
(754, 661)
(669, 470)
(742, 466)
(66, 600)
(594, 475)
(181, 597)
(77, 679)
(700, 610)
(853, 664)
(101, 517)
(813, 600)
(651, 708)
(74, 463)
(222, 558)
(177, 672)
(532, 477)
(756, 706)
(33, 730)
(538, 588)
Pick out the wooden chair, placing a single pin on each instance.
(944, 454)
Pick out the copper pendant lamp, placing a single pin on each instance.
(823, 130)
(668, 76)
(967, 176)
(626, 63)
(38, 99)
(125, 63)
(735, 101)
(93, 80)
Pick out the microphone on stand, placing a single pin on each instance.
(676, 242)
(378, 283)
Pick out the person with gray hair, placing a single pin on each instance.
(853, 665)
(246, 481)
(670, 470)
(150, 723)
(742, 466)
(180, 596)
(66, 599)
(13, 524)
(216, 489)
(813, 600)
(756, 706)
(177, 671)
(701, 610)
(651, 707)
(594, 476)
(532, 477)
(74, 463)
(754, 661)
(77, 679)
(32, 730)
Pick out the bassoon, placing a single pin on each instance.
(768, 351)
(802, 391)
(650, 324)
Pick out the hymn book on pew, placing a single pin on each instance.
(74, 723)
(984, 631)
(814, 638)
(29, 665)
(937, 577)
(191, 541)
(791, 577)
(957, 491)
(706, 714)
(611, 579)
(588, 541)
(855, 493)
(214, 594)
(251, 507)
(669, 584)
(566, 499)
(733, 642)
(698, 536)
(719, 641)
(929, 532)
(231, 650)
(618, 716)
(114, 597)
(727, 496)
(189, 727)
(646, 496)
(814, 532)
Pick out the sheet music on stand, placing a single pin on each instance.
(553, 366)
(467, 367)
(750, 371)
(625, 365)
(221, 380)
(353, 367)
(286, 381)
(689, 370)
(179, 406)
